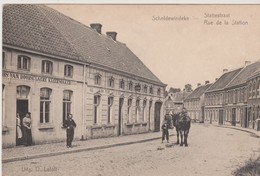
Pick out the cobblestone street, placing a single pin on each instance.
(212, 151)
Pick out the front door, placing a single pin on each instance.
(21, 109)
(157, 116)
(233, 122)
(245, 118)
(221, 117)
(121, 101)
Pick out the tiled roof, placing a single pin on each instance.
(223, 81)
(198, 92)
(25, 26)
(40, 28)
(247, 72)
(179, 96)
(256, 72)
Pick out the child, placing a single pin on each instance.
(165, 131)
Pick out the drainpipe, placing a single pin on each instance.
(83, 102)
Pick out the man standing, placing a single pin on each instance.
(70, 125)
(165, 132)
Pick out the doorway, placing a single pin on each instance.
(233, 123)
(221, 117)
(22, 109)
(121, 102)
(157, 116)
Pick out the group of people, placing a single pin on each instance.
(24, 133)
(166, 125)
(23, 130)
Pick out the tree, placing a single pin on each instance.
(188, 88)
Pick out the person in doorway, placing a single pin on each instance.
(27, 129)
(165, 132)
(70, 125)
(18, 130)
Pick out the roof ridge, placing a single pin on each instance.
(240, 72)
(71, 45)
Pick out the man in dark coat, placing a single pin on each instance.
(165, 132)
(70, 125)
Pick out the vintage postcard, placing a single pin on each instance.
(130, 89)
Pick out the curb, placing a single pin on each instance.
(8, 160)
(234, 128)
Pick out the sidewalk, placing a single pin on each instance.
(248, 130)
(46, 150)
(53, 149)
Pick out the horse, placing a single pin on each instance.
(182, 124)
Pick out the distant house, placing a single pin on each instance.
(54, 65)
(195, 102)
(253, 102)
(215, 97)
(238, 92)
(174, 101)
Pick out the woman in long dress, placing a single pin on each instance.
(27, 129)
(18, 129)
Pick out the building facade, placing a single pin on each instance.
(195, 102)
(54, 65)
(253, 100)
(174, 101)
(215, 98)
(237, 96)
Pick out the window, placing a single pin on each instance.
(109, 112)
(98, 79)
(23, 63)
(151, 90)
(68, 70)
(145, 89)
(47, 67)
(144, 110)
(3, 59)
(122, 84)
(130, 86)
(111, 82)
(137, 110)
(45, 101)
(96, 108)
(22, 92)
(67, 101)
(158, 91)
(129, 104)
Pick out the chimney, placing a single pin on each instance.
(112, 35)
(206, 82)
(96, 26)
(225, 70)
(247, 63)
(198, 84)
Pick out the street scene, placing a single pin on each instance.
(131, 90)
(204, 156)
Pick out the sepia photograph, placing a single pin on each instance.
(124, 89)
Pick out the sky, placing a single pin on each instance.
(180, 44)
